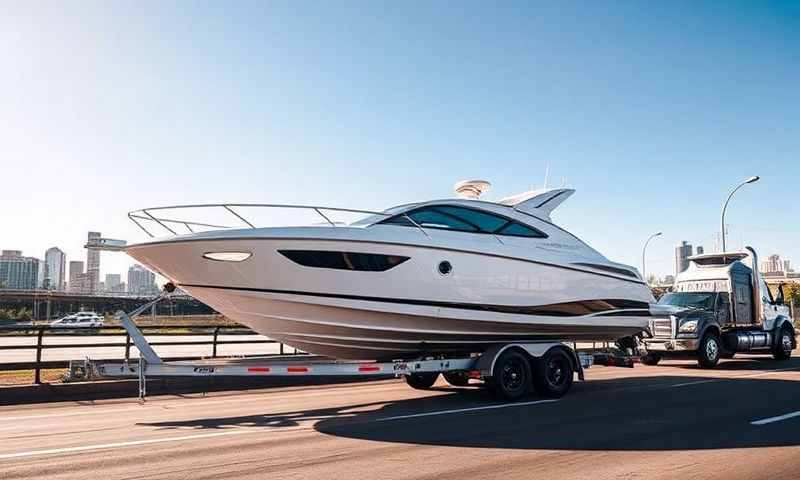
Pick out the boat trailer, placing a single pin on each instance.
(419, 373)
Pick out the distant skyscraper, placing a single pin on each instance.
(700, 250)
(75, 276)
(93, 262)
(773, 265)
(20, 273)
(113, 282)
(55, 269)
(141, 281)
(682, 253)
(787, 266)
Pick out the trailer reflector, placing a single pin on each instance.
(297, 369)
(258, 369)
(369, 368)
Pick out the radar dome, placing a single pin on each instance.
(471, 189)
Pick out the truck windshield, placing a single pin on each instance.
(700, 300)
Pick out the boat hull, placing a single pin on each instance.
(493, 294)
(371, 330)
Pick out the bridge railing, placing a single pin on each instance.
(39, 333)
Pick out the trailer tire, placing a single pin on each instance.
(511, 375)
(709, 351)
(458, 378)
(651, 359)
(782, 350)
(421, 381)
(553, 373)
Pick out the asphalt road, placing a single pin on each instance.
(664, 422)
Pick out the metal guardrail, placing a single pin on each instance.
(40, 333)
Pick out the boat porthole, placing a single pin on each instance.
(445, 268)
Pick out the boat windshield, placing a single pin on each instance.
(699, 300)
(370, 219)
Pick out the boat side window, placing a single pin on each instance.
(519, 230)
(461, 219)
(430, 218)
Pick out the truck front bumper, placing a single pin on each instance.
(672, 345)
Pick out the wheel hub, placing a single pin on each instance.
(555, 373)
(786, 342)
(711, 349)
(512, 375)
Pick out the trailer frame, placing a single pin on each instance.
(483, 365)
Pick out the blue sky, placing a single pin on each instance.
(652, 111)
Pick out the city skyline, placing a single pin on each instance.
(31, 272)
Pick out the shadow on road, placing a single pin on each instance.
(642, 413)
(740, 362)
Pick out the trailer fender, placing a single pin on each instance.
(487, 360)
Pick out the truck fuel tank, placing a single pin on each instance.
(743, 341)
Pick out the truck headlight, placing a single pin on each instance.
(688, 326)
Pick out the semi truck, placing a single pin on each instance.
(720, 306)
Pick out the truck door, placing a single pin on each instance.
(742, 299)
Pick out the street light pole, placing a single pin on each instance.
(725, 206)
(644, 249)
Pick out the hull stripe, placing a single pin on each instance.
(566, 309)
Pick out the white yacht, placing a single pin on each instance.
(435, 277)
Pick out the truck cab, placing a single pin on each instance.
(720, 305)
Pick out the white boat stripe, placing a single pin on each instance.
(767, 421)
(462, 410)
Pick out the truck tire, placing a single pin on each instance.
(553, 373)
(511, 375)
(457, 379)
(421, 381)
(709, 350)
(782, 350)
(650, 359)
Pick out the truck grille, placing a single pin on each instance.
(662, 327)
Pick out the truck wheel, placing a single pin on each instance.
(553, 374)
(709, 351)
(457, 379)
(421, 381)
(783, 345)
(511, 375)
(651, 359)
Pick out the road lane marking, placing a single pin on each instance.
(696, 382)
(766, 421)
(462, 410)
(107, 446)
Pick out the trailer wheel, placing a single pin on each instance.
(709, 351)
(650, 359)
(511, 375)
(421, 381)
(553, 373)
(784, 344)
(457, 379)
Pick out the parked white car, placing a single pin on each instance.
(79, 320)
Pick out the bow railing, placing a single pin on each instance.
(171, 221)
